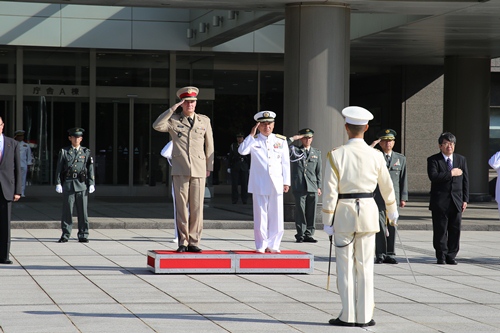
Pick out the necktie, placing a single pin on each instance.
(388, 160)
(190, 121)
(450, 166)
(1, 154)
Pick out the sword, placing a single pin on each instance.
(329, 264)
(407, 260)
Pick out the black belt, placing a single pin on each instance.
(355, 195)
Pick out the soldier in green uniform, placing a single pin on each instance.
(75, 180)
(396, 164)
(306, 184)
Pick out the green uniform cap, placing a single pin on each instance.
(76, 131)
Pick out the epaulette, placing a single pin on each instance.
(256, 136)
(282, 137)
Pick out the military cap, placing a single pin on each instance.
(387, 134)
(188, 93)
(76, 132)
(265, 116)
(356, 115)
(307, 132)
(19, 133)
(240, 135)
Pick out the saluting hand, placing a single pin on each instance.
(175, 106)
(253, 132)
(374, 143)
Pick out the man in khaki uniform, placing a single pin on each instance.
(192, 161)
(352, 173)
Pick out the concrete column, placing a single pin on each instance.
(317, 51)
(466, 115)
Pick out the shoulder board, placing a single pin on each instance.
(202, 115)
(282, 137)
(256, 136)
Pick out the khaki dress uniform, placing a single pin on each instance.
(352, 170)
(75, 173)
(192, 157)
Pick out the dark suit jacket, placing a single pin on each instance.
(444, 187)
(238, 162)
(10, 169)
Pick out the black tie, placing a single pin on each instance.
(388, 160)
(190, 121)
(450, 165)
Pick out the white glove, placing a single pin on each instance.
(328, 229)
(393, 217)
(58, 188)
(91, 189)
(228, 170)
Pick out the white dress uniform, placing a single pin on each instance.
(494, 162)
(269, 172)
(352, 173)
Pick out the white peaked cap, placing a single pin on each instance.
(356, 115)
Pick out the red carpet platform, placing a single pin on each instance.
(288, 261)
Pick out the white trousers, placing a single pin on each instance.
(355, 275)
(268, 220)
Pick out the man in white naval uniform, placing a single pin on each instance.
(352, 173)
(26, 157)
(269, 178)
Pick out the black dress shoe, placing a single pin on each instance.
(193, 248)
(450, 261)
(390, 260)
(379, 260)
(62, 240)
(310, 240)
(6, 262)
(83, 240)
(182, 248)
(441, 262)
(370, 323)
(338, 322)
(299, 240)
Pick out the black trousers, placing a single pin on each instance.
(5, 213)
(239, 177)
(446, 227)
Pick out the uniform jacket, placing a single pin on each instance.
(10, 169)
(270, 163)
(236, 160)
(26, 157)
(355, 168)
(71, 166)
(306, 172)
(397, 170)
(494, 162)
(444, 187)
(192, 147)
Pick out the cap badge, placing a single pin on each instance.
(190, 91)
(266, 114)
(387, 131)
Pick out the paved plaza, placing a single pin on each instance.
(104, 285)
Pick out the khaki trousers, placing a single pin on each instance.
(189, 194)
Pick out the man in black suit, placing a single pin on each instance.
(10, 188)
(449, 178)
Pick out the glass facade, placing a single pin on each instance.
(58, 90)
